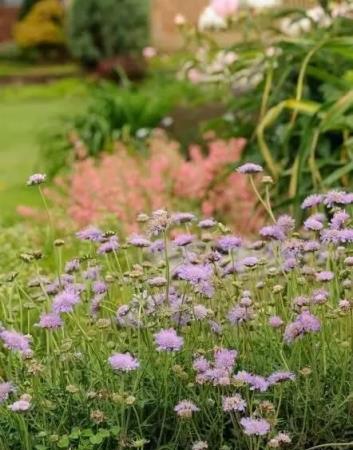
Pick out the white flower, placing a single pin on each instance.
(179, 20)
(210, 20)
(262, 3)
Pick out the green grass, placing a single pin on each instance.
(15, 68)
(25, 112)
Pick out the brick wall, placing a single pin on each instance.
(165, 35)
(8, 16)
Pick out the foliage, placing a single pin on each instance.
(291, 98)
(126, 183)
(100, 29)
(113, 112)
(26, 7)
(184, 312)
(43, 27)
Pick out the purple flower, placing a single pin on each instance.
(256, 382)
(344, 305)
(311, 246)
(333, 198)
(207, 223)
(233, 403)
(139, 241)
(157, 281)
(279, 377)
(36, 178)
(312, 200)
(304, 323)
(228, 243)
(286, 223)
(20, 406)
(50, 321)
(92, 273)
(272, 232)
(109, 246)
(168, 340)
(275, 322)
(90, 234)
(200, 312)
(99, 287)
(13, 340)
(224, 358)
(324, 276)
(5, 390)
(319, 296)
(249, 168)
(240, 314)
(65, 301)
(123, 362)
(72, 266)
(313, 224)
(257, 427)
(249, 261)
(339, 219)
(201, 364)
(183, 239)
(157, 246)
(182, 217)
(185, 409)
(194, 273)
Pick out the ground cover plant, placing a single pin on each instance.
(182, 336)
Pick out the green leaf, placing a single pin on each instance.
(96, 439)
(64, 442)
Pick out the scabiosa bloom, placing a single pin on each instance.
(279, 439)
(185, 409)
(90, 234)
(50, 321)
(194, 273)
(249, 261)
(249, 168)
(139, 241)
(275, 322)
(99, 287)
(65, 301)
(92, 273)
(312, 224)
(182, 217)
(5, 390)
(228, 243)
(183, 239)
(256, 382)
(305, 323)
(344, 305)
(286, 223)
(319, 296)
(255, 427)
(36, 178)
(279, 377)
(333, 198)
(233, 403)
(72, 266)
(272, 232)
(157, 246)
(324, 276)
(240, 314)
(13, 340)
(207, 223)
(200, 312)
(20, 406)
(201, 364)
(312, 200)
(108, 246)
(199, 445)
(157, 281)
(123, 362)
(311, 246)
(339, 219)
(168, 340)
(224, 358)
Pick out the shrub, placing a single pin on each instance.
(126, 183)
(43, 27)
(100, 29)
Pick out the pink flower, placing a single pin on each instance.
(149, 52)
(225, 8)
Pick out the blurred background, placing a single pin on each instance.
(153, 103)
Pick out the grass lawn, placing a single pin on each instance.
(24, 112)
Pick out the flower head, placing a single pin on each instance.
(36, 178)
(5, 390)
(50, 321)
(233, 403)
(20, 406)
(249, 168)
(255, 427)
(185, 408)
(123, 362)
(168, 340)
